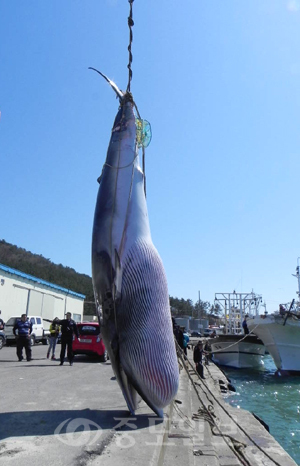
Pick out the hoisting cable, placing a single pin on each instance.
(130, 24)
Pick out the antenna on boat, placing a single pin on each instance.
(297, 275)
(265, 306)
(289, 312)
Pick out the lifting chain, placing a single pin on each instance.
(130, 24)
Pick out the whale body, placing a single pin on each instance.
(129, 280)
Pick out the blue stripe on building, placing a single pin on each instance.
(18, 273)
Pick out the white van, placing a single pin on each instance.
(38, 332)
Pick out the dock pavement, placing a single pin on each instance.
(76, 416)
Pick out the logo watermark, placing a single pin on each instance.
(84, 432)
(78, 432)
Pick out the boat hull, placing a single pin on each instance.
(281, 336)
(237, 351)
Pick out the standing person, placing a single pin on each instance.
(54, 332)
(245, 326)
(2, 324)
(68, 329)
(198, 353)
(24, 329)
(186, 340)
(207, 352)
(179, 336)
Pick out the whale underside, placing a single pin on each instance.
(129, 280)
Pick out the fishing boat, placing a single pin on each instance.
(239, 351)
(280, 333)
(234, 349)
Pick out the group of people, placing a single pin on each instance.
(181, 336)
(182, 339)
(199, 351)
(23, 329)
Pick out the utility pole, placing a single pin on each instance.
(199, 306)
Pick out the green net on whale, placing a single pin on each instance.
(143, 132)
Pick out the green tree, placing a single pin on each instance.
(201, 309)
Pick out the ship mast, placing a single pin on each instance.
(236, 306)
(297, 275)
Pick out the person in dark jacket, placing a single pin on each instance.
(198, 354)
(245, 326)
(179, 336)
(22, 330)
(68, 329)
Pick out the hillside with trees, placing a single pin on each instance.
(199, 310)
(39, 266)
(66, 277)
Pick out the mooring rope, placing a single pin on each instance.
(235, 343)
(208, 412)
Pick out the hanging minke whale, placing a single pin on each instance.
(129, 280)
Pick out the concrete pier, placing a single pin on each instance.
(76, 415)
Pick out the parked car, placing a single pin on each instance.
(90, 341)
(38, 333)
(2, 339)
(196, 334)
(209, 332)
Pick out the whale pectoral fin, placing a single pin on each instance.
(134, 387)
(100, 177)
(133, 394)
(118, 276)
(129, 392)
(107, 307)
(104, 287)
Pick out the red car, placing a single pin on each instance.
(89, 341)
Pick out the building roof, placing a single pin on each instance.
(7, 269)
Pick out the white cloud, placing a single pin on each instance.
(293, 5)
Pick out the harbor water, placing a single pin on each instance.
(276, 400)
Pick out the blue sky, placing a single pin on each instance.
(219, 82)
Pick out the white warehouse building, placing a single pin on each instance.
(21, 293)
